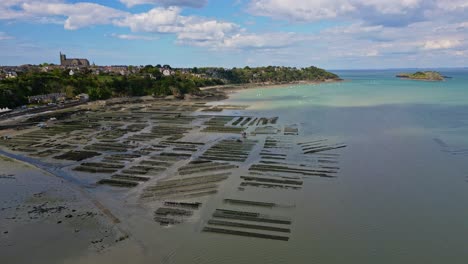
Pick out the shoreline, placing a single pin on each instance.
(218, 93)
(421, 80)
(229, 88)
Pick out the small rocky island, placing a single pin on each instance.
(422, 76)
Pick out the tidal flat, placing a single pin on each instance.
(142, 176)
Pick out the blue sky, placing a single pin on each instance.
(333, 34)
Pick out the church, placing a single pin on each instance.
(73, 62)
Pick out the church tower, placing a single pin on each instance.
(63, 59)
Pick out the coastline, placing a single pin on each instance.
(421, 80)
(229, 88)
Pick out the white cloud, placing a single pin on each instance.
(133, 37)
(442, 44)
(169, 20)
(384, 12)
(195, 29)
(260, 41)
(77, 15)
(372, 53)
(452, 5)
(188, 29)
(160, 20)
(298, 10)
(12, 9)
(203, 32)
(357, 28)
(388, 7)
(360, 45)
(247, 41)
(167, 3)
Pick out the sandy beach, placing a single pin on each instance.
(231, 88)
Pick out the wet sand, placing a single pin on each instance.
(136, 180)
(43, 218)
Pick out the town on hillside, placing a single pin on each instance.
(75, 80)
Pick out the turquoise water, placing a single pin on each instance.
(371, 102)
(402, 191)
(363, 88)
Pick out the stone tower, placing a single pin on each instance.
(63, 59)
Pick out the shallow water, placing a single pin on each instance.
(401, 191)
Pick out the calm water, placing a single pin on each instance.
(402, 193)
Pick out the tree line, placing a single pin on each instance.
(147, 80)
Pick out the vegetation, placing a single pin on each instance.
(15, 91)
(147, 80)
(427, 76)
(270, 74)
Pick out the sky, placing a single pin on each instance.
(332, 34)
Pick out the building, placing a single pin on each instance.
(10, 75)
(83, 97)
(73, 62)
(167, 72)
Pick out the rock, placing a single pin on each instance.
(424, 76)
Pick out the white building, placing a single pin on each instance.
(83, 97)
(11, 75)
(166, 72)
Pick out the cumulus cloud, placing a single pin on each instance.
(73, 16)
(155, 20)
(167, 3)
(78, 15)
(188, 29)
(195, 29)
(203, 32)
